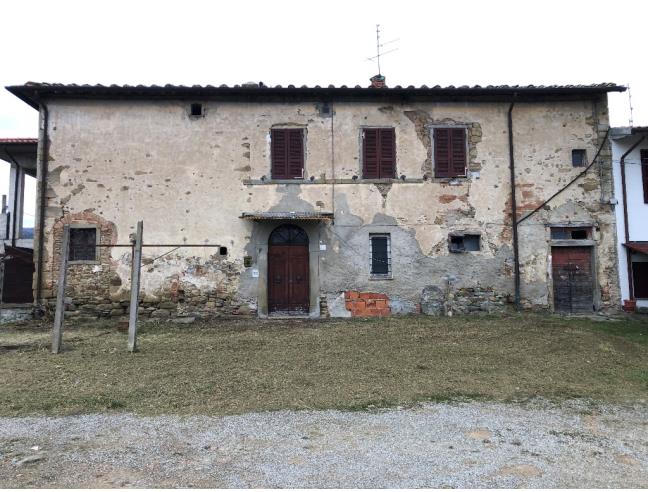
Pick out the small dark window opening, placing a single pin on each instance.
(247, 261)
(325, 109)
(83, 244)
(579, 158)
(571, 233)
(380, 255)
(196, 109)
(222, 250)
(466, 242)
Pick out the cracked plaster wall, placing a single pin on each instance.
(190, 179)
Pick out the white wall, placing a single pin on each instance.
(637, 209)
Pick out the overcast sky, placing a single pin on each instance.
(325, 42)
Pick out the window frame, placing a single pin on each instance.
(287, 177)
(463, 236)
(380, 276)
(97, 259)
(465, 128)
(394, 173)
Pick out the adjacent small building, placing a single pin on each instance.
(630, 163)
(327, 201)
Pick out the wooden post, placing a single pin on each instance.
(135, 285)
(57, 330)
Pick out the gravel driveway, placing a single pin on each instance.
(537, 444)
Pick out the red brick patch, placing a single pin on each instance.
(365, 304)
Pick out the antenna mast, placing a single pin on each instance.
(378, 46)
(631, 121)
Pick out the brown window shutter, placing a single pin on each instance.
(442, 152)
(387, 146)
(458, 143)
(449, 152)
(370, 154)
(287, 153)
(295, 154)
(644, 173)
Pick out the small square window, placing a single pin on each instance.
(83, 244)
(465, 242)
(196, 109)
(579, 158)
(380, 252)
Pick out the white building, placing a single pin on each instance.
(630, 165)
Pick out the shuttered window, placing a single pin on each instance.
(449, 152)
(378, 153)
(287, 153)
(644, 173)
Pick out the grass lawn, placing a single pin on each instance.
(235, 366)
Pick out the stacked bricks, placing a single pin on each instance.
(364, 304)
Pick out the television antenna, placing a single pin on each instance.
(379, 46)
(631, 121)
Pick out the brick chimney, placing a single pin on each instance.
(378, 82)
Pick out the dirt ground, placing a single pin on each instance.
(247, 365)
(440, 445)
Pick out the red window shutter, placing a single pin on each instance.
(644, 173)
(370, 154)
(449, 152)
(442, 152)
(287, 153)
(387, 146)
(458, 140)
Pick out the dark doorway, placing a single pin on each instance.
(573, 283)
(640, 279)
(288, 282)
(18, 272)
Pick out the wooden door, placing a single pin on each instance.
(288, 279)
(573, 284)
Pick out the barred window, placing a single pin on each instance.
(83, 244)
(380, 252)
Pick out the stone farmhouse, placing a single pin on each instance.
(326, 201)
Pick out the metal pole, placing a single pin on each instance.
(135, 284)
(57, 331)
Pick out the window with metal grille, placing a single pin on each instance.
(449, 152)
(83, 244)
(644, 173)
(579, 158)
(287, 153)
(380, 253)
(378, 153)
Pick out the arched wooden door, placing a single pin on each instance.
(288, 282)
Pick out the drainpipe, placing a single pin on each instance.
(43, 203)
(626, 225)
(514, 221)
(14, 213)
